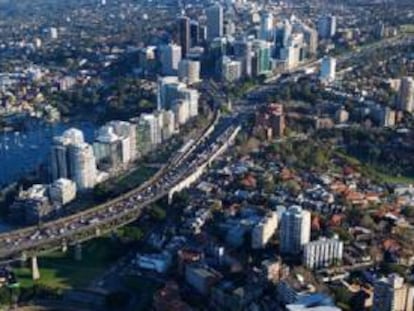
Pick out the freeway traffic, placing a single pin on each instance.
(15, 243)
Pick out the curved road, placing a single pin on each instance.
(123, 209)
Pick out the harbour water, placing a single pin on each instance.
(23, 152)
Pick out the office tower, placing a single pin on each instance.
(327, 26)
(170, 56)
(406, 95)
(282, 35)
(328, 69)
(189, 71)
(230, 69)
(243, 52)
(184, 34)
(192, 97)
(214, 22)
(261, 58)
(392, 294)
(266, 26)
(295, 230)
(264, 230)
(194, 33)
(322, 253)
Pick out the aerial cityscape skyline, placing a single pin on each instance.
(231, 155)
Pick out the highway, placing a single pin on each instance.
(83, 226)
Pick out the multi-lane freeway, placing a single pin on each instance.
(86, 225)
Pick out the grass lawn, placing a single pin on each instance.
(60, 270)
(144, 288)
(374, 172)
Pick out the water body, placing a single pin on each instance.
(23, 152)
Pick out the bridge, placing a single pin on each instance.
(180, 172)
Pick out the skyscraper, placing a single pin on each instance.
(294, 230)
(392, 294)
(406, 95)
(214, 22)
(184, 34)
(327, 26)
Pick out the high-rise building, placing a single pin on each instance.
(152, 122)
(82, 165)
(181, 110)
(282, 35)
(328, 69)
(243, 52)
(167, 92)
(230, 69)
(295, 230)
(202, 33)
(311, 40)
(322, 253)
(53, 33)
(170, 56)
(264, 230)
(406, 95)
(192, 97)
(184, 34)
(194, 33)
(266, 26)
(189, 71)
(115, 145)
(292, 53)
(262, 56)
(215, 21)
(392, 294)
(168, 128)
(72, 158)
(327, 26)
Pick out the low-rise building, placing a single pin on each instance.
(201, 278)
(62, 191)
